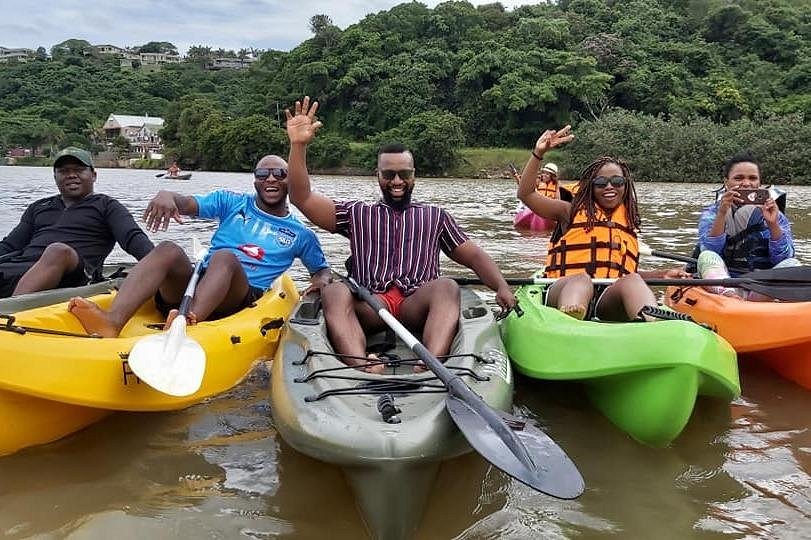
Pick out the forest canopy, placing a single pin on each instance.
(491, 77)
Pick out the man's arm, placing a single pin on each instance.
(21, 235)
(474, 257)
(126, 232)
(166, 206)
(301, 129)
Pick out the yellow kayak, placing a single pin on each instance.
(53, 385)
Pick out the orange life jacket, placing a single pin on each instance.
(608, 250)
(548, 190)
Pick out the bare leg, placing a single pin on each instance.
(57, 260)
(434, 309)
(623, 300)
(223, 287)
(166, 268)
(346, 318)
(571, 295)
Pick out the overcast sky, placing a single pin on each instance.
(230, 24)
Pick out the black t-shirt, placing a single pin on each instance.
(91, 226)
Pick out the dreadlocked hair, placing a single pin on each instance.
(584, 198)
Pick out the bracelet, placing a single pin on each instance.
(536, 156)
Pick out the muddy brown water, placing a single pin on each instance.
(220, 470)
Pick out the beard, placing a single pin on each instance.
(398, 204)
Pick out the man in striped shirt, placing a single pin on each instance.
(395, 246)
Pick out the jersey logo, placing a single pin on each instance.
(253, 251)
(245, 217)
(285, 237)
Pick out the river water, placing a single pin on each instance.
(219, 470)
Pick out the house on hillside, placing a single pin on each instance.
(142, 132)
(20, 55)
(109, 50)
(218, 62)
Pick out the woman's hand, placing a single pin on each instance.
(552, 139)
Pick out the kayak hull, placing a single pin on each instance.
(770, 332)
(526, 219)
(51, 386)
(390, 467)
(185, 176)
(644, 377)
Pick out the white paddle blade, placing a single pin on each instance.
(171, 362)
(198, 250)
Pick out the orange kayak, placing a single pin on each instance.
(774, 332)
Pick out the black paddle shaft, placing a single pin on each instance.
(551, 472)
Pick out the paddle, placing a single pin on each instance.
(645, 249)
(524, 452)
(159, 175)
(172, 362)
(790, 284)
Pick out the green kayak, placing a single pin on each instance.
(643, 376)
(389, 432)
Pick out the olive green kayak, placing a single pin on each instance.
(644, 377)
(339, 415)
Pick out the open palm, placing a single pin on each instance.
(553, 138)
(302, 126)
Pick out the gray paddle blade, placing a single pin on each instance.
(553, 472)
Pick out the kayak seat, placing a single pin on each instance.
(307, 310)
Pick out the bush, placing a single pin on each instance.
(328, 150)
(695, 149)
(434, 137)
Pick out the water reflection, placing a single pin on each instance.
(220, 470)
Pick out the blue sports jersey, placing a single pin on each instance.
(266, 245)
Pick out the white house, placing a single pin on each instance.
(140, 131)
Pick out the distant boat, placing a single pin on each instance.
(184, 176)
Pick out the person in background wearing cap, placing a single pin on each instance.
(256, 241)
(62, 240)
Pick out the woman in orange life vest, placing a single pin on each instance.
(596, 237)
(547, 182)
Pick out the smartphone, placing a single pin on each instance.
(754, 196)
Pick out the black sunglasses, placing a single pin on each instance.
(405, 174)
(263, 173)
(601, 181)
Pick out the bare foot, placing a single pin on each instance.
(191, 318)
(420, 367)
(578, 311)
(93, 318)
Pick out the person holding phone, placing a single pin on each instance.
(744, 229)
(596, 237)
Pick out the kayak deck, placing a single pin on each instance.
(766, 331)
(331, 412)
(644, 377)
(52, 385)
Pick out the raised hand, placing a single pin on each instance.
(160, 211)
(552, 139)
(302, 125)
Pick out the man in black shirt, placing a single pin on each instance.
(62, 241)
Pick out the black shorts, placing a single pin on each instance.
(12, 271)
(254, 294)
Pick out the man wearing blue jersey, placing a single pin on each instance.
(256, 241)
